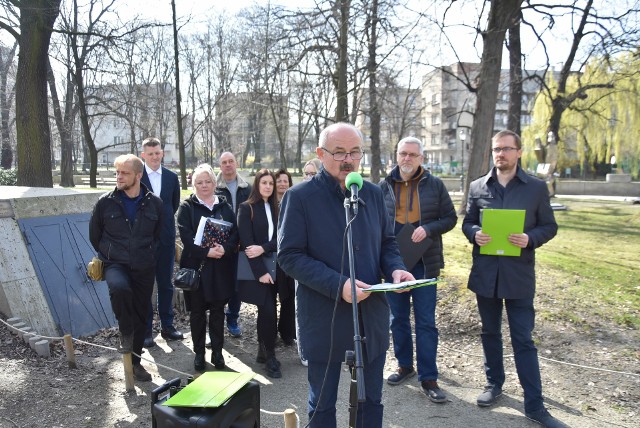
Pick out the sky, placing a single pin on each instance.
(462, 16)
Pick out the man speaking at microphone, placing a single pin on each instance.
(312, 249)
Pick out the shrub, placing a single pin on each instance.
(8, 177)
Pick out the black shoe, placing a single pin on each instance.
(544, 418)
(140, 374)
(401, 374)
(198, 363)
(489, 396)
(288, 341)
(433, 391)
(273, 368)
(148, 342)
(126, 343)
(217, 359)
(170, 333)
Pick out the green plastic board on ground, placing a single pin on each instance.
(499, 224)
(210, 389)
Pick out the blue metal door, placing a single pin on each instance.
(60, 250)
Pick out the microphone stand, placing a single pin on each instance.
(354, 359)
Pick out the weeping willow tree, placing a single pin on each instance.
(601, 123)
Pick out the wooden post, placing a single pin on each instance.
(68, 349)
(290, 419)
(128, 372)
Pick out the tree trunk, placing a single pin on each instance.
(342, 111)
(183, 170)
(501, 17)
(66, 143)
(372, 68)
(515, 79)
(6, 161)
(32, 115)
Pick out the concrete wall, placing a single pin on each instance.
(20, 292)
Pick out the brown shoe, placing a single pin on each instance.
(433, 391)
(401, 374)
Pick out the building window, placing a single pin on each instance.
(434, 139)
(434, 99)
(435, 119)
(117, 140)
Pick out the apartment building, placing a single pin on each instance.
(449, 110)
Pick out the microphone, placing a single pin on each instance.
(354, 183)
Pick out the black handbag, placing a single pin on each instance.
(187, 279)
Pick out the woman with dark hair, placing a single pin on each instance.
(283, 182)
(216, 261)
(286, 284)
(257, 222)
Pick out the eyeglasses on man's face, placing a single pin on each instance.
(506, 150)
(411, 155)
(340, 156)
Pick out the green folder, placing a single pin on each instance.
(499, 224)
(210, 389)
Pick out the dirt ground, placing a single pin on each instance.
(38, 392)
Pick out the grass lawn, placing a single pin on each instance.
(588, 272)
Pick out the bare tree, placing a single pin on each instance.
(502, 16)
(515, 78)
(6, 101)
(64, 121)
(32, 119)
(183, 172)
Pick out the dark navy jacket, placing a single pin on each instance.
(508, 277)
(170, 195)
(113, 237)
(311, 249)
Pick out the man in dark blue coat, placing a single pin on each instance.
(164, 184)
(509, 281)
(311, 249)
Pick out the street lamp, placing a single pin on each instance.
(463, 136)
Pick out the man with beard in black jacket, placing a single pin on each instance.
(125, 229)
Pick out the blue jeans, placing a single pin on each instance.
(322, 409)
(424, 312)
(233, 308)
(521, 317)
(165, 256)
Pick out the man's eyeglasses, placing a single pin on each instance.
(506, 150)
(411, 155)
(340, 156)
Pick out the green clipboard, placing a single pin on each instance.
(210, 389)
(499, 224)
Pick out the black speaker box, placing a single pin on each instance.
(241, 411)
